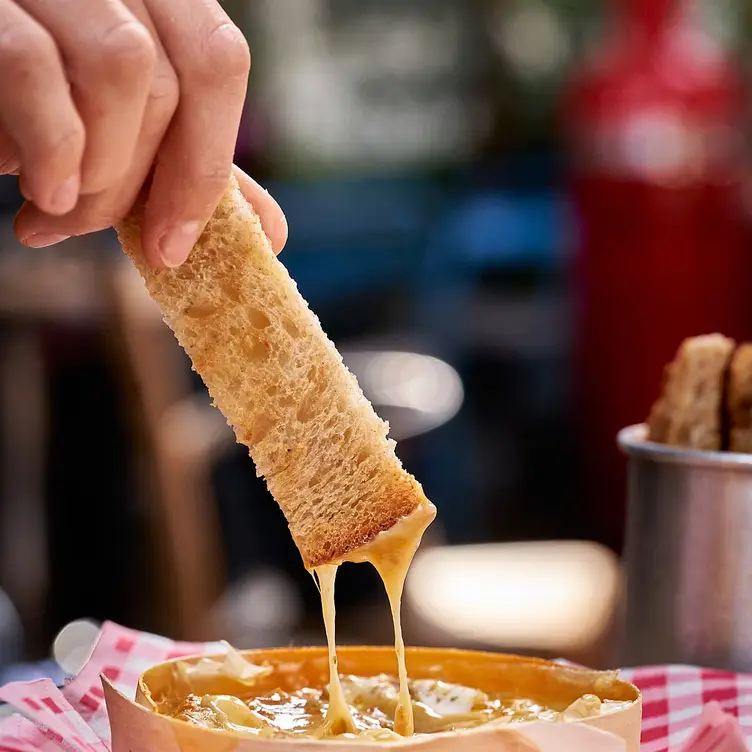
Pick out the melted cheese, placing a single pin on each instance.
(360, 707)
(391, 552)
(339, 719)
(438, 707)
(233, 665)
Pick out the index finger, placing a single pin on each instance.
(212, 62)
(37, 112)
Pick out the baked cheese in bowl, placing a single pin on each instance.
(262, 701)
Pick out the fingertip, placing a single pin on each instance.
(277, 233)
(30, 230)
(151, 253)
(9, 165)
(150, 246)
(175, 244)
(270, 213)
(10, 161)
(57, 202)
(65, 197)
(24, 221)
(167, 242)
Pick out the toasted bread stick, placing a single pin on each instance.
(739, 400)
(280, 383)
(689, 411)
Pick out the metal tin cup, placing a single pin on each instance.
(688, 556)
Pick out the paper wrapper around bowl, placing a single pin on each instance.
(135, 725)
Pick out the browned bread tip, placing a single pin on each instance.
(690, 409)
(280, 383)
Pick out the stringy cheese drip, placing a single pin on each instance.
(391, 552)
(339, 719)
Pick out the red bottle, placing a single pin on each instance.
(654, 124)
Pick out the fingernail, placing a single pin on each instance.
(42, 241)
(66, 195)
(176, 244)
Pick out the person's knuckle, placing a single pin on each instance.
(25, 50)
(127, 51)
(215, 176)
(212, 179)
(165, 90)
(226, 54)
(68, 139)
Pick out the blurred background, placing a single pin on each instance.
(507, 214)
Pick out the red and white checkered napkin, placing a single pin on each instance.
(683, 707)
(680, 700)
(75, 718)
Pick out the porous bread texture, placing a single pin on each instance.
(280, 383)
(689, 412)
(739, 400)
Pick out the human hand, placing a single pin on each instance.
(96, 93)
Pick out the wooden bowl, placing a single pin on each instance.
(137, 726)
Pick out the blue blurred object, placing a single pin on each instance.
(503, 229)
(499, 233)
(31, 671)
(333, 210)
(353, 236)
(487, 231)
